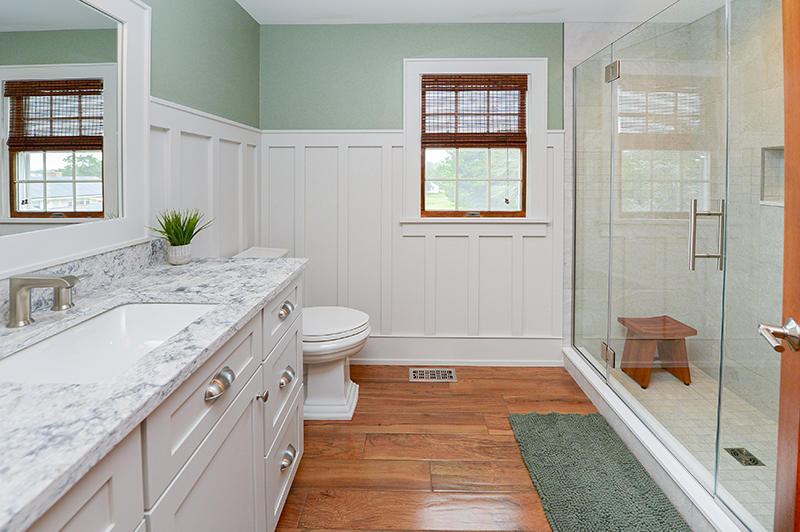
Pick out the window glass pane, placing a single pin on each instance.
(504, 102)
(440, 164)
(89, 165)
(635, 196)
(37, 128)
(473, 124)
(90, 197)
(59, 166)
(504, 124)
(59, 197)
(506, 196)
(440, 195)
(473, 102)
(693, 165)
(473, 163)
(667, 197)
(440, 124)
(37, 106)
(506, 163)
(66, 105)
(662, 103)
(66, 127)
(666, 165)
(473, 195)
(30, 197)
(440, 102)
(30, 166)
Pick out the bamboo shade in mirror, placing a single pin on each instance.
(65, 114)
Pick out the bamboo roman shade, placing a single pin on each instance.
(65, 114)
(473, 110)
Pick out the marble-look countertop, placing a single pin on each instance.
(52, 434)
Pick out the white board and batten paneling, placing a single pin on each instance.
(205, 162)
(484, 292)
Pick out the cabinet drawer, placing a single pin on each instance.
(175, 429)
(284, 366)
(276, 319)
(221, 487)
(107, 499)
(280, 474)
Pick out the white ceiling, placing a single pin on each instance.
(35, 15)
(446, 11)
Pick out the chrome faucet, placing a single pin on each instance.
(19, 295)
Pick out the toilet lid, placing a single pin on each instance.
(329, 323)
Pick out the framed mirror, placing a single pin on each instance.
(48, 196)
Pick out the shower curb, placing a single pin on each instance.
(697, 506)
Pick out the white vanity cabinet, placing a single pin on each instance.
(107, 499)
(228, 463)
(221, 487)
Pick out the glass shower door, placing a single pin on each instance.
(669, 149)
(754, 263)
(592, 201)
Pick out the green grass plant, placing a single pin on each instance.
(179, 227)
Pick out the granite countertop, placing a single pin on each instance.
(52, 434)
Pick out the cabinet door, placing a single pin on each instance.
(107, 499)
(221, 487)
(175, 429)
(283, 459)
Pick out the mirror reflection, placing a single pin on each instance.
(59, 125)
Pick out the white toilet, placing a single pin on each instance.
(330, 336)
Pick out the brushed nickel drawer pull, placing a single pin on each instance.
(286, 309)
(288, 457)
(287, 376)
(220, 383)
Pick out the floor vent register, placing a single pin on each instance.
(432, 375)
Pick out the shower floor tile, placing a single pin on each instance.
(688, 414)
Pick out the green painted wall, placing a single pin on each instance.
(205, 56)
(58, 47)
(351, 76)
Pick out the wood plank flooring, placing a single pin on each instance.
(427, 456)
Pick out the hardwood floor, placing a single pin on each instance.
(428, 456)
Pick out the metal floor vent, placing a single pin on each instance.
(743, 456)
(432, 375)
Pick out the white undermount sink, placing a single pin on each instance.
(102, 347)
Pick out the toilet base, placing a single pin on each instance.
(330, 394)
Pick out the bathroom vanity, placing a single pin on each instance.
(203, 432)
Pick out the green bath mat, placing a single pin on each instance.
(587, 479)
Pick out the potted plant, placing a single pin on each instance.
(179, 228)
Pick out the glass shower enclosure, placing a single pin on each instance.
(679, 236)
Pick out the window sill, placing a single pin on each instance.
(52, 221)
(472, 220)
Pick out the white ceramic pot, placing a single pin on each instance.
(177, 255)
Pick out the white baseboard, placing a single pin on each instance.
(471, 351)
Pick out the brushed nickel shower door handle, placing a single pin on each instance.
(719, 213)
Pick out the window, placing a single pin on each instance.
(665, 155)
(473, 141)
(55, 145)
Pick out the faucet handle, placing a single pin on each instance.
(62, 296)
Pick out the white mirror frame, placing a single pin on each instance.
(23, 252)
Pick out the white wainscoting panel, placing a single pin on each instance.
(201, 161)
(437, 291)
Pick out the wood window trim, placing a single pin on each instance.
(517, 140)
(20, 142)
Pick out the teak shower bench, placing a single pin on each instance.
(644, 336)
